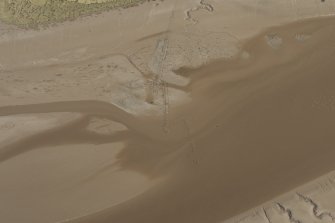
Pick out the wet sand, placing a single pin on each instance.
(256, 127)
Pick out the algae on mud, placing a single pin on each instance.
(37, 13)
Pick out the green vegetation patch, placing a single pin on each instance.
(37, 13)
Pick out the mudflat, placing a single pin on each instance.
(255, 129)
(256, 125)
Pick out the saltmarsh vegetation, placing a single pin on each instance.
(40, 13)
